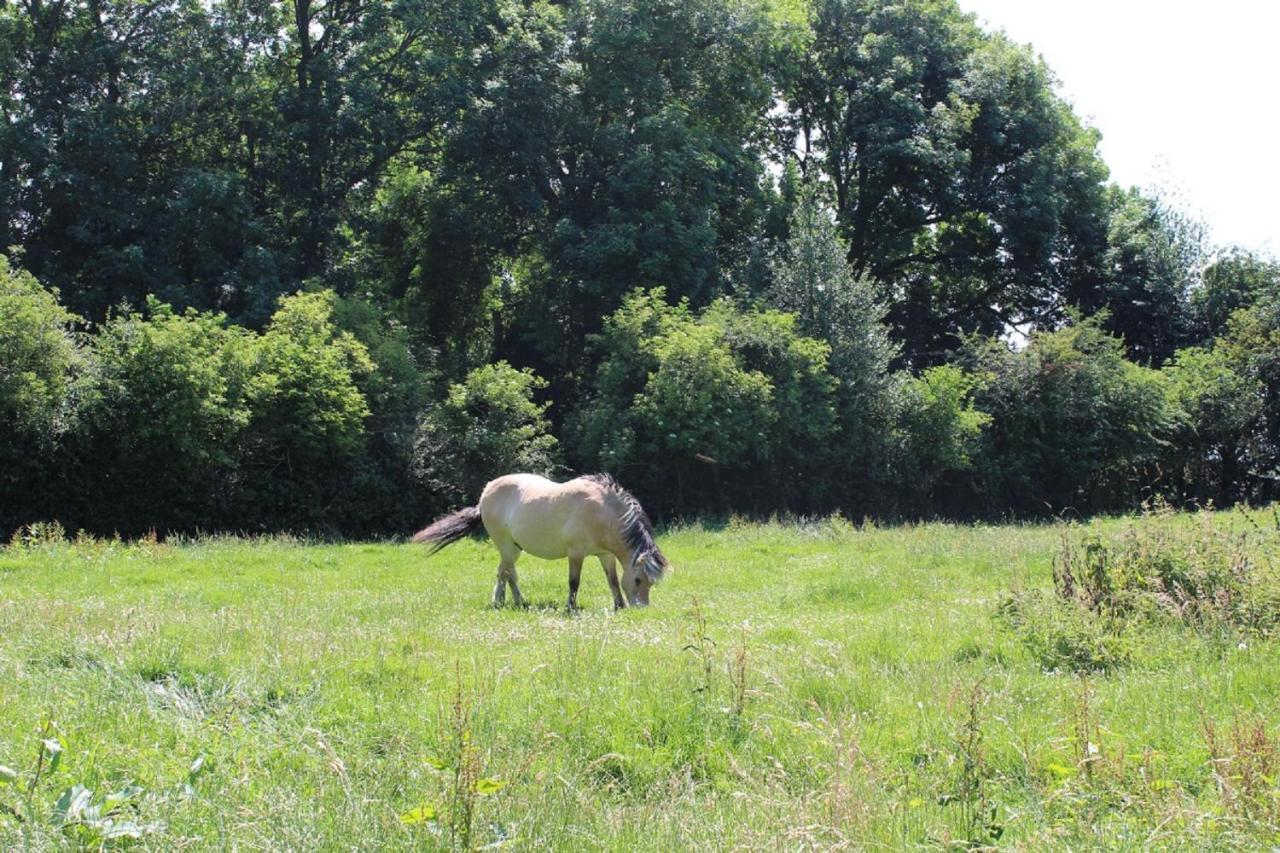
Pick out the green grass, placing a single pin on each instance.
(792, 687)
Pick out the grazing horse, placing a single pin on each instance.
(591, 515)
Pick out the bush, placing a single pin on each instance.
(941, 430)
(804, 444)
(305, 434)
(1074, 426)
(41, 367)
(1252, 350)
(164, 419)
(488, 425)
(731, 409)
(1216, 417)
(397, 391)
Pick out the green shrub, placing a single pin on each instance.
(1216, 415)
(940, 428)
(1252, 350)
(38, 356)
(1074, 426)
(804, 443)
(41, 367)
(165, 419)
(306, 429)
(397, 391)
(730, 409)
(488, 425)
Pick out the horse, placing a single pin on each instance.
(588, 516)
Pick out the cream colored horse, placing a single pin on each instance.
(589, 516)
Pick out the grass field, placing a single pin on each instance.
(793, 687)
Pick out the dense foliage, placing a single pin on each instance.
(328, 266)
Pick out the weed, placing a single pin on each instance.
(979, 816)
(738, 682)
(81, 816)
(38, 536)
(700, 645)
(1199, 575)
(1245, 764)
(1061, 635)
(462, 765)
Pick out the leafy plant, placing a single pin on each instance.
(88, 819)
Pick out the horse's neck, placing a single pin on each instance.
(618, 508)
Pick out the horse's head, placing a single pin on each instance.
(645, 569)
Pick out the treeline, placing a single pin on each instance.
(273, 262)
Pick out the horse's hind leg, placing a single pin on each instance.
(509, 552)
(610, 571)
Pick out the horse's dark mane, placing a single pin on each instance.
(637, 529)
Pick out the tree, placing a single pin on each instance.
(628, 133)
(119, 133)
(812, 278)
(1153, 261)
(1252, 349)
(367, 82)
(963, 185)
(1235, 280)
(145, 151)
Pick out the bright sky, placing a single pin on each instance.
(1187, 96)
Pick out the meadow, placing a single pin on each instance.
(794, 686)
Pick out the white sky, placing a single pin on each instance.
(1187, 96)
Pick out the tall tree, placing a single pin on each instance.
(622, 138)
(366, 82)
(813, 279)
(1235, 280)
(113, 138)
(1153, 261)
(208, 151)
(962, 183)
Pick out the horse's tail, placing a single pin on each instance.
(451, 528)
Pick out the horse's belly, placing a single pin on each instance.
(549, 544)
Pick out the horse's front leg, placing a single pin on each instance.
(575, 576)
(610, 571)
